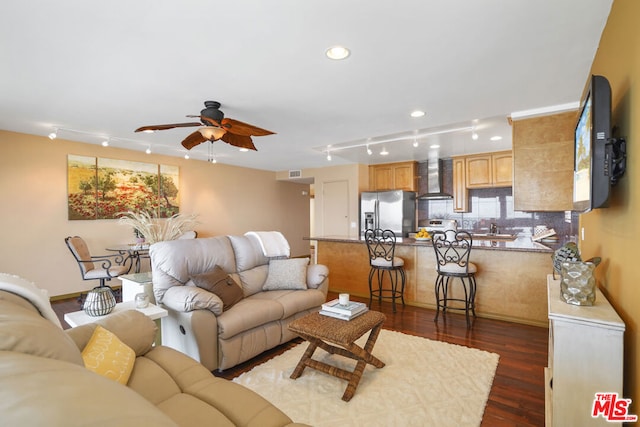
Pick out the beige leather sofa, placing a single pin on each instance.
(43, 381)
(197, 325)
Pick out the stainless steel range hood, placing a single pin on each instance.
(434, 182)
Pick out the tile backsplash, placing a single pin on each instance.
(495, 205)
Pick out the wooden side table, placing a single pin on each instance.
(323, 331)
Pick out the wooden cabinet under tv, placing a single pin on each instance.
(585, 357)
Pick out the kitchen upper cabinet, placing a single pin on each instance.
(489, 170)
(460, 192)
(543, 163)
(393, 176)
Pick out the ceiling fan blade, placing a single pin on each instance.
(244, 129)
(241, 141)
(169, 126)
(209, 121)
(193, 139)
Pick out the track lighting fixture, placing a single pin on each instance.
(415, 142)
(186, 156)
(474, 136)
(105, 143)
(53, 135)
(148, 150)
(369, 152)
(328, 156)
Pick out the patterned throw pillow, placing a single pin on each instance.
(217, 281)
(106, 355)
(286, 274)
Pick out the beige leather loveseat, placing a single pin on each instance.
(199, 323)
(44, 382)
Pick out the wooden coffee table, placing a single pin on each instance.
(323, 331)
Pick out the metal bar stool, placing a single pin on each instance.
(452, 259)
(382, 245)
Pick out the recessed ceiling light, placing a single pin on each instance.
(496, 138)
(337, 52)
(417, 113)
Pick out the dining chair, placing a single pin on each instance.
(381, 245)
(452, 262)
(102, 268)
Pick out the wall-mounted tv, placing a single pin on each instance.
(599, 159)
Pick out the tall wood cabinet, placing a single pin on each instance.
(460, 192)
(393, 176)
(543, 162)
(585, 357)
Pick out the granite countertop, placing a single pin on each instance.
(521, 243)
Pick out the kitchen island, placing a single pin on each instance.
(511, 275)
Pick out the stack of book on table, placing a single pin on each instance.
(344, 312)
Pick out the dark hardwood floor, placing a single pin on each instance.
(517, 394)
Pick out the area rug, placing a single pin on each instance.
(424, 383)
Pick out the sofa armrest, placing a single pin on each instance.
(131, 326)
(189, 298)
(316, 275)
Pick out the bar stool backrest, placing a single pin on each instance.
(381, 245)
(452, 251)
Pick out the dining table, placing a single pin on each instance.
(132, 253)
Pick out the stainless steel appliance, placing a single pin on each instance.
(393, 210)
(441, 225)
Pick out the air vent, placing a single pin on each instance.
(295, 173)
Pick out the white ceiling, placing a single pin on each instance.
(102, 69)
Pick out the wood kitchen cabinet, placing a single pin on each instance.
(460, 192)
(489, 170)
(543, 162)
(393, 176)
(585, 357)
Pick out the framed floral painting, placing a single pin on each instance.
(100, 188)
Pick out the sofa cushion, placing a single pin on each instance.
(248, 253)
(47, 392)
(286, 274)
(189, 298)
(174, 261)
(24, 330)
(220, 283)
(253, 279)
(106, 355)
(294, 301)
(131, 326)
(247, 314)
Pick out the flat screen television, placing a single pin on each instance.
(597, 155)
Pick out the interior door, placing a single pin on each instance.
(335, 208)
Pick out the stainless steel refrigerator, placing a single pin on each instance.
(394, 210)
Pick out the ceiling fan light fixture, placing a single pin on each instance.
(244, 150)
(148, 131)
(337, 53)
(212, 133)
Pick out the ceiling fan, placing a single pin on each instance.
(215, 127)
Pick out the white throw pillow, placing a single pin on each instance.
(286, 274)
